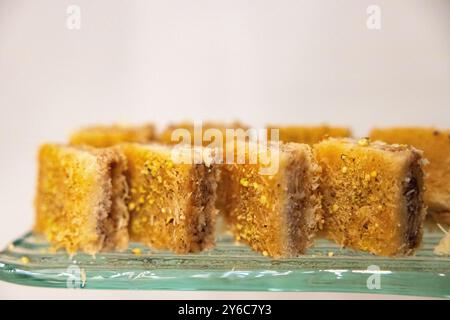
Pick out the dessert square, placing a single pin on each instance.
(310, 134)
(107, 136)
(166, 137)
(80, 199)
(435, 145)
(171, 203)
(277, 214)
(372, 195)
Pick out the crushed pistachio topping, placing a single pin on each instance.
(244, 182)
(136, 251)
(363, 142)
(263, 199)
(131, 206)
(25, 260)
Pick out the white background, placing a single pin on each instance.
(257, 61)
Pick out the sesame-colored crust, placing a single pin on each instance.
(372, 195)
(171, 204)
(275, 214)
(435, 145)
(80, 199)
(106, 136)
(309, 135)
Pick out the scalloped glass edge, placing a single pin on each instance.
(230, 267)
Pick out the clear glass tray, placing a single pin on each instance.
(230, 267)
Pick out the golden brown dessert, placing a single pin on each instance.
(107, 136)
(309, 135)
(435, 145)
(372, 195)
(275, 214)
(166, 135)
(171, 204)
(80, 200)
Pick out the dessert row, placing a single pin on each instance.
(112, 185)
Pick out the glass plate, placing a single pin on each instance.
(230, 267)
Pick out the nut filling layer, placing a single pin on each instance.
(414, 203)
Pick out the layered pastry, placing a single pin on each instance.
(106, 136)
(372, 195)
(204, 136)
(172, 195)
(435, 145)
(309, 134)
(277, 211)
(80, 200)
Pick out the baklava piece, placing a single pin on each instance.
(80, 200)
(372, 195)
(166, 137)
(311, 134)
(435, 145)
(107, 136)
(171, 203)
(277, 214)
